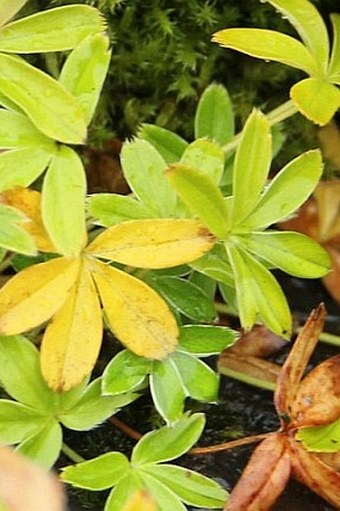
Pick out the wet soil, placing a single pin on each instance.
(242, 410)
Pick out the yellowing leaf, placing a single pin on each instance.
(35, 294)
(316, 99)
(28, 201)
(138, 316)
(159, 243)
(140, 501)
(72, 340)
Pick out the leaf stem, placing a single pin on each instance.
(275, 116)
(209, 449)
(73, 455)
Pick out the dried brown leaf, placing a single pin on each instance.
(264, 478)
(292, 370)
(318, 397)
(309, 469)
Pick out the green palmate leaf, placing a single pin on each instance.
(52, 30)
(125, 372)
(63, 202)
(258, 294)
(168, 442)
(111, 208)
(309, 24)
(334, 65)
(166, 499)
(206, 156)
(20, 373)
(9, 8)
(51, 108)
(125, 488)
(251, 166)
(199, 380)
(316, 99)
(84, 72)
(214, 117)
(167, 390)
(291, 252)
(202, 196)
(321, 438)
(22, 166)
(191, 487)
(214, 264)
(16, 130)
(18, 422)
(44, 447)
(97, 474)
(10, 105)
(287, 191)
(144, 169)
(185, 297)
(168, 144)
(93, 408)
(205, 340)
(205, 283)
(13, 237)
(268, 45)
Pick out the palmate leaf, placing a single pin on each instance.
(18, 422)
(85, 70)
(193, 488)
(202, 196)
(268, 45)
(252, 163)
(126, 487)
(258, 293)
(136, 313)
(35, 294)
(317, 99)
(169, 145)
(205, 340)
(309, 24)
(57, 29)
(51, 108)
(291, 252)
(296, 180)
(214, 116)
(22, 166)
(206, 156)
(168, 442)
(165, 498)
(99, 473)
(72, 341)
(16, 131)
(9, 8)
(63, 202)
(124, 372)
(44, 447)
(167, 390)
(140, 500)
(152, 244)
(144, 169)
(29, 202)
(110, 208)
(12, 234)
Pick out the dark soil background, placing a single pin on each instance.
(242, 410)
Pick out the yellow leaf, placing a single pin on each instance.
(35, 294)
(140, 501)
(137, 315)
(29, 202)
(154, 243)
(72, 340)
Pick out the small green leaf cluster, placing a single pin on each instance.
(33, 418)
(171, 486)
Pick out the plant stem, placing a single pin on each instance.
(127, 430)
(332, 339)
(209, 449)
(73, 455)
(277, 115)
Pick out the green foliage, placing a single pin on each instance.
(33, 419)
(170, 486)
